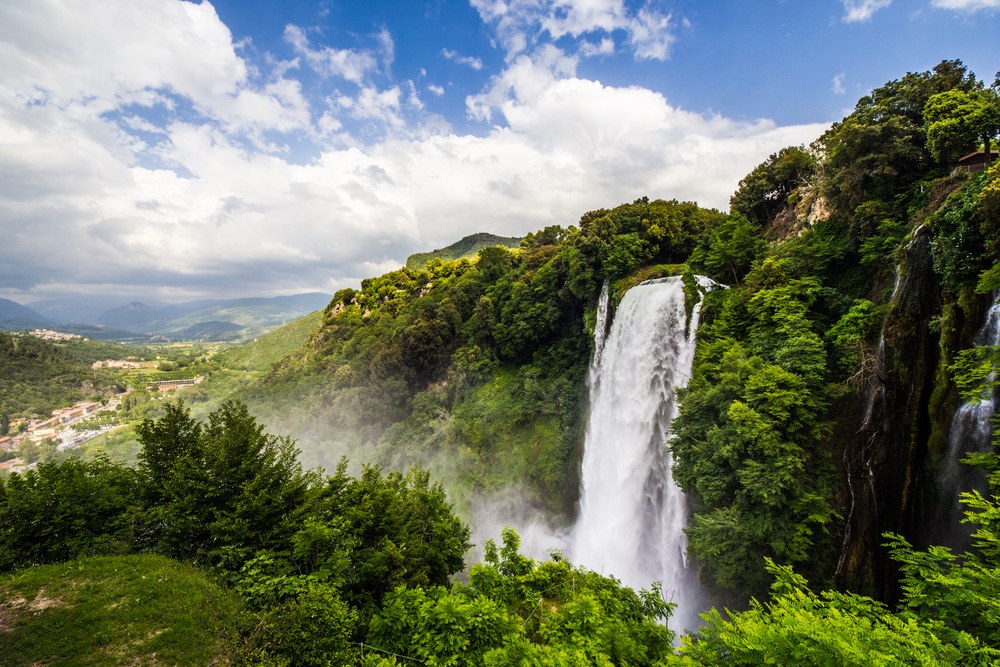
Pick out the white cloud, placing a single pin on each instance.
(435, 90)
(95, 195)
(602, 48)
(520, 24)
(103, 55)
(387, 48)
(860, 11)
(838, 84)
(968, 6)
(650, 34)
(468, 61)
(350, 64)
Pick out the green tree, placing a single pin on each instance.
(399, 530)
(728, 252)
(880, 149)
(60, 511)
(765, 190)
(220, 491)
(517, 611)
(957, 121)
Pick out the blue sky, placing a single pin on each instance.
(169, 149)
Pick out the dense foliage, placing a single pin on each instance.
(791, 349)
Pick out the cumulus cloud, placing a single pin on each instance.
(602, 48)
(860, 11)
(350, 64)
(125, 169)
(99, 56)
(521, 24)
(967, 6)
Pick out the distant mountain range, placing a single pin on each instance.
(204, 319)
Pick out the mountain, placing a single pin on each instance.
(203, 319)
(15, 316)
(82, 309)
(466, 248)
(132, 316)
(211, 330)
(232, 319)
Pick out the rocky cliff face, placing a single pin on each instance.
(882, 465)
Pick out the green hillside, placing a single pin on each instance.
(116, 610)
(264, 352)
(38, 376)
(464, 249)
(474, 368)
(234, 319)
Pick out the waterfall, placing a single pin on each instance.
(971, 431)
(632, 515)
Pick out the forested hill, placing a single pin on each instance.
(821, 397)
(466, 248)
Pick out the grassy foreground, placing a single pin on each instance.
(136, 610)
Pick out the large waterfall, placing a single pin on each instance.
(971, 431)
(632, 515)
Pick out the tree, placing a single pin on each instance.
(957, 121)
(763, 191)
(397, 529)
(516, 611)
(220, 491)
(728, 252)
(880, 149)
(64, 510)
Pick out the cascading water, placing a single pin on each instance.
(632, 515)
(971, 431)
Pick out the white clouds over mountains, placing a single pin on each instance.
(143, 151)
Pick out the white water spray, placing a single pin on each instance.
(632, 515)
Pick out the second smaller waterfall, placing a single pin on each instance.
(971, 431)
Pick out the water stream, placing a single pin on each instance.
(971, 431)
(632, 515)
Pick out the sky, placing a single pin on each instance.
(172, 150)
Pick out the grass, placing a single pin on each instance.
(116, 610)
